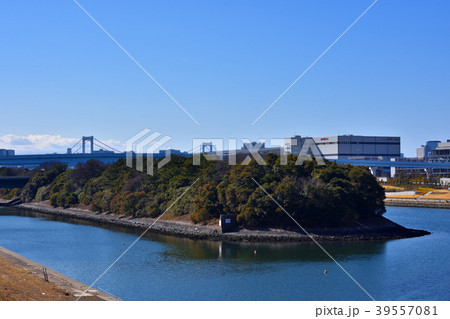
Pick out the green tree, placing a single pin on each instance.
(40, 179)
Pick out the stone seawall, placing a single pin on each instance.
(417, 203)
(378, 228)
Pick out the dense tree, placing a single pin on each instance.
(84, 172)
(42, 178)
(15, 171)
(315, 195)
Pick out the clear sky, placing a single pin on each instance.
(62, 77)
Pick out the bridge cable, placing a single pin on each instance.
(106, 145)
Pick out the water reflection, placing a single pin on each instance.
(264, 252)
(168, 268)
(183, 249)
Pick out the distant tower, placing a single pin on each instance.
(89, 139)
(207, 147)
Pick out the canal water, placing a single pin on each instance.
(166, 268)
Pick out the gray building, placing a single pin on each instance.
(356, 146)
(349, 146)
(4, 152)
(425, 151)
(293, 145)
(442, 152)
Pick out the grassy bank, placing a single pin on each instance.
(418, 197)
(22, 279)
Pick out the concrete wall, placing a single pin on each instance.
(328, 146)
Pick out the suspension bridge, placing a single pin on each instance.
(80, 146)
(77, 153)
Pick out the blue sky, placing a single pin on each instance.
(225, 62)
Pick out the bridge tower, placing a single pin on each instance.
(89, 139)
(207, 147)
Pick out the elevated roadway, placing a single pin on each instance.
(395, 164)
(71, 160)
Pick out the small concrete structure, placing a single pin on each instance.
(445, 181)
(228, 223)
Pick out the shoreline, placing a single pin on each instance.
(32, 285)
(419, 203)
(379, 228)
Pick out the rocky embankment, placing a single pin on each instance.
(378, 228)
(417, 203)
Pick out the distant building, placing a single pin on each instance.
(348, 146)
(293, 145)
(425, 151)
(445, 181)
(5, 152)
(383, 179)
(432, 151)
(441, 152)
(359, 147)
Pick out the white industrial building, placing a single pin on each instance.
(350, 146)
(445, 181)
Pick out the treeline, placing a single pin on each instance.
(315, 195)
(414, 179)
(14, 172)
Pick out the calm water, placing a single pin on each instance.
(165, 268)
